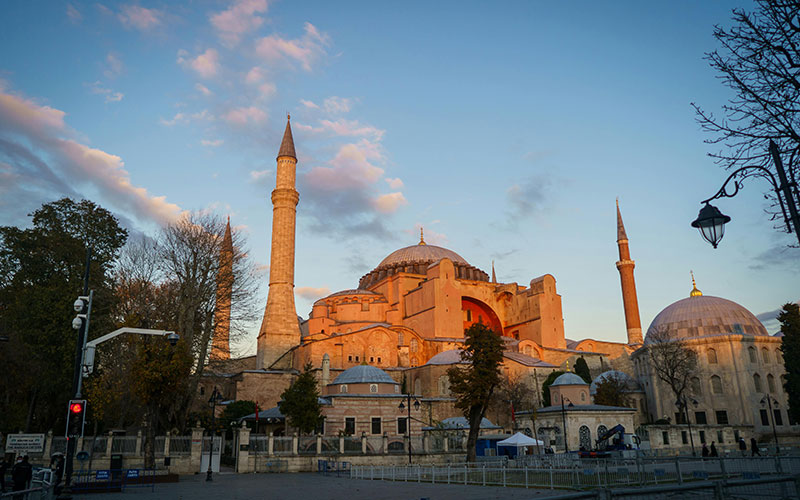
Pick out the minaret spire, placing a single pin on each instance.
(494, 278)
(629, 300)
(220, 343)
(280, 330)
(421, 237)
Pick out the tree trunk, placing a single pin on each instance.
(475, 417)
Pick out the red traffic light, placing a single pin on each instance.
(76, 408)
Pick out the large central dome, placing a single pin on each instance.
(415, 259)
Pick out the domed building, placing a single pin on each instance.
(739, 366)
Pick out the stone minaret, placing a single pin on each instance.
(220, 343)
(280, 330)
(629, 301)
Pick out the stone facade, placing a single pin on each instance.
(583, 424)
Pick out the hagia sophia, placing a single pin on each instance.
(402, 326)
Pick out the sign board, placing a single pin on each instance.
(82, 455)
(25, 443)
(102, 475)
(132, 473)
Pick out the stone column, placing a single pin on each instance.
(109, 444)
(166, 444)
(385, 444)
(294, 444)
(364, 443)
(48, 445)
(197, 448)
(446, 444)
(319, 444)
(243, 452)
(341, 445)
(138, 451)
(271, 445)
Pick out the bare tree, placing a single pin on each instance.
(613, 390)
(673, 362)
(759, 59)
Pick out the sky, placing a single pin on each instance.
(506, 130)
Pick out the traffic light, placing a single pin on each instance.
(76, 415)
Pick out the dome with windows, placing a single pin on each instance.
(415, 259)
(568, 378)
(364, 374)
(703, 315)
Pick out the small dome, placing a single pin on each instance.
(421, 253)
(450, 357)
(343, 293)
(702, 315)
(623, 377)
(568, 378)
(364, 374)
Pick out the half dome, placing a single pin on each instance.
(704, 315)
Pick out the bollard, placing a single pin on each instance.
(678, 470)
(465, 476)
(484, 475)
(551, 478)
(526, 476)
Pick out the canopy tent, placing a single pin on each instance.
(520, 440)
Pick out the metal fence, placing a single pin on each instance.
(125, 445)
(587, 474)
(180, 445)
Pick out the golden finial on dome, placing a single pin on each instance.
(567, 365)
(421, 237)
(695, 292)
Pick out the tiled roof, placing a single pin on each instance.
(568, 378)
(364, 374)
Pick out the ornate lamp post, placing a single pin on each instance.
(768, 400)
(683, 403)
(215, 398)
(564, 421)
(711, 222)
(404, 406)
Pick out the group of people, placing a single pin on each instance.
(712, 451)
(21, 474)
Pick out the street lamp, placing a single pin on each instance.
(404, 406)
(215, 399)
(683, 403)
(768, 400)
(564, 421)
(711, 222)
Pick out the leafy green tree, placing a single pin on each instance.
(474, 384)
(237, 410)
(41, 274)
(612, 390)
(790, 347)
(300, 402)
(582, 370)
(546, 386)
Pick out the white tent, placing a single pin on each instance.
(520, 440)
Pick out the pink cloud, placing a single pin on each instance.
(206, 65)
(242, 116)
(135, 16)
(238, 20)
(310, 293)
(47, 143)
(389, 203)
(305, 50)
(395, 183)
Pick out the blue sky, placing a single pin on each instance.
(505, 130)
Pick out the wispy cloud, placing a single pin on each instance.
(239, 19)
(206, 65)
(395, 183)
(211, 143)
(140, 18)
(108, 94)
(114, 66)
(38, 134)
(310, 293)
(203, 89)
(306, 50)
(244, 115)
(260, 176)
(74, 14)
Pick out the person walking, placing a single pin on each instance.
(714, 450)
(742, 446)
(21, 474)
(705, 451)
(3, 469)
(754, 448)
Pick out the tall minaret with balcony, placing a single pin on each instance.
(280, 330)
(629, 301)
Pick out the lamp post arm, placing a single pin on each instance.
(91, 347)
(737, 184)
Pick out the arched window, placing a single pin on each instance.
(753, 354)
(585, 436)
(765, 355)
(716, 384)
(583, 398)
(373, 388)
(413, 345)
(343, 388)
(757, 382)
(778, 356)
(601, 429)
(444, 385)
(697, 389)
(771, 383)
(712, 357)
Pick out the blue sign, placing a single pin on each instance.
(660, 472)
(132, 473)
(700, 474)
(588, 472)
(82, 455)
(102, 475)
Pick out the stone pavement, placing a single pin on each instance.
(309, 486)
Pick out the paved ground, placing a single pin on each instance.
(309, 487)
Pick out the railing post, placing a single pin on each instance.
(166, 444)
(551, 478)
(363, 443)
(319, 444)
(448, 473)
(433, 474)
(484, 475)
(504, 477)
(722, 468)
(385, 444)
(719, 493)
(678, 470)
(109, 444)
(270, 445)
(526, 476)
(138, 451)
(465, 475)
(341, 445)
(446, 444)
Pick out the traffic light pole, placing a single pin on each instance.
(76, 381)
